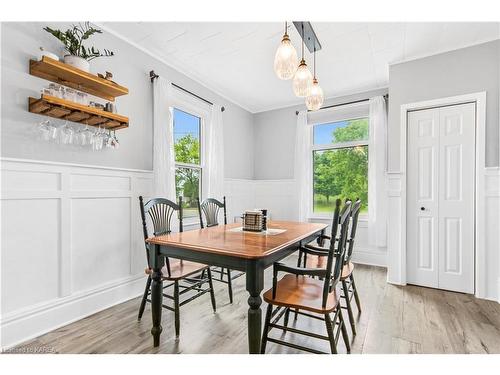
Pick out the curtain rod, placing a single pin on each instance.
(347, 103)
(153, 76)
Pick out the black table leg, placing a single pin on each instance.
(156, 295)
(254, 284)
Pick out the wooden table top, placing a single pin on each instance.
(221, 240)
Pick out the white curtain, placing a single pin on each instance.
(303, 166)
(377, 165)
(215, 154)
(163, 140)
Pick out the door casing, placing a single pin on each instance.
(480, 148)
(433, 272)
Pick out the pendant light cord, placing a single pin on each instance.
(314, 62)
(302, 42)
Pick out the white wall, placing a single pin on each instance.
(71, 243)
(130, 67)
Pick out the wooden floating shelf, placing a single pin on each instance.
(78, 79)
(66, 110)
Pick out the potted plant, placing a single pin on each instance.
(73, 38)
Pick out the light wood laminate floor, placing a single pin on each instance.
(394, 319)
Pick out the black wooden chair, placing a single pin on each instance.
(314, 260)
(187, 278)
(318, 297)
(211, 208)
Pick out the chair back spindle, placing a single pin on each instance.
(210, 208)
(225, 213)
(356, 208)
(333, 272)
(160, 212)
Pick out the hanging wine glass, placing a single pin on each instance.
(53, 132)
(98, 139)
(108, 139)
(87, 136)
(114, 141)
(43, 130)
(66, 134)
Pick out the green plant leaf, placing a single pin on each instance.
(73, 38)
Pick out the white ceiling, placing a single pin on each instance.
(236, 59)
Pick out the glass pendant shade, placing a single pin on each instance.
(302, 80)
(315, 99)
(285, 60)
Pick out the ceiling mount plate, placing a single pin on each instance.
(308, 35)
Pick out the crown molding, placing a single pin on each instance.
(424, 55)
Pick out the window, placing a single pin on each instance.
(188, 167)
(340, 163)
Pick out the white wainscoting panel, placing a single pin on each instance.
(30, 181)
(492, 232)
(396, 273)
(240, 196)
(30, 251)
(98, 245)
(363, 253)
(88, 182)
(279, 197)
(71, 243)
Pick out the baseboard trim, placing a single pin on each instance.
(369, 258)
(498, 291)
(392, 282)
(22, 326)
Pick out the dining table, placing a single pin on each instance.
(230, 247)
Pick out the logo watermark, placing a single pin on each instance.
(30, 350)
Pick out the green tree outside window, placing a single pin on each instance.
(187, 131)
(342, 172)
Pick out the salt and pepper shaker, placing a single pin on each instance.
(109, 107)
(264, 220)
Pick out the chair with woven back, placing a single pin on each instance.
(187, 278)
(210, 208)
(311, 292)
(310, 256)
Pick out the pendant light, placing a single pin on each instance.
(315, 99)
(285, 60)
(302, 80)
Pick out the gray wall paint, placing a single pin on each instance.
(463, 71)
(130, 66)
(275, 137)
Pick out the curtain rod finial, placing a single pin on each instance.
(296, 113)
(153, 75)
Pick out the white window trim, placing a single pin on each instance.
(340, 145)
(194, 106)
(335, 146)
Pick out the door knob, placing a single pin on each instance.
(422, 208)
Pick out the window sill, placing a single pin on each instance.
(191, 222)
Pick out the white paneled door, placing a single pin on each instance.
(440, 193)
